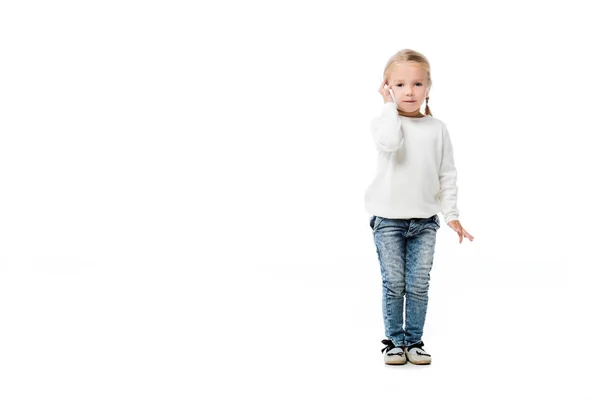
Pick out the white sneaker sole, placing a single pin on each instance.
(419, 362)
(394, 359)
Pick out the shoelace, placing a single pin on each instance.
(418, 345)
(389, 346)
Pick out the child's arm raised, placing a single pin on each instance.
(386, 129)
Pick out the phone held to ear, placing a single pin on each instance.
(393, 97)
(392, 94)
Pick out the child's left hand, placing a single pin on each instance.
(455, 224)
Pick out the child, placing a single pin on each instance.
(415, 179)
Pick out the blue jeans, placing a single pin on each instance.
(405, 249)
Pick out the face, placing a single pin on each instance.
(409, 84)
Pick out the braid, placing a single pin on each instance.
(427, 110)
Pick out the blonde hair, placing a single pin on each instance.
(410, 56)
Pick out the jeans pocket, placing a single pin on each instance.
(436, 219)
(375, 222)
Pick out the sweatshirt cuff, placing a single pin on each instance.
(390, 109)
(450, 217)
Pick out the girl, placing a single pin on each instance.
(415, 179)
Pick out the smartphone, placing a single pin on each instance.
(393, 97)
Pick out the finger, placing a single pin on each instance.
(468, 235)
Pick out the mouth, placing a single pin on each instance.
(410, 101)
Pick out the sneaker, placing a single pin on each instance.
(417, 355)
(393, 354)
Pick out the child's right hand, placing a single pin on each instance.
(384, 89)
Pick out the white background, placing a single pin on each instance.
(181, 199)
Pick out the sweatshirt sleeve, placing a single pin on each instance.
(448, 193)
(386, 129)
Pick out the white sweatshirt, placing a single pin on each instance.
(415, 174)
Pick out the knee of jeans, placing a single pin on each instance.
(395, 289)
(418, 287)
